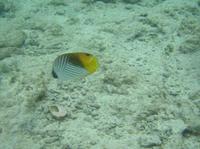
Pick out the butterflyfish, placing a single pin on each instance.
(70, 66)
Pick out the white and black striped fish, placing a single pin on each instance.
(74, 65)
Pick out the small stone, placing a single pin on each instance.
(149, 141)
(57, 111)
(191, 130)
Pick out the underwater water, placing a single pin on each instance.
(144, 94)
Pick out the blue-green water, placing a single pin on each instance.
(145, 94)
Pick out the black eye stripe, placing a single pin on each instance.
(87, 54)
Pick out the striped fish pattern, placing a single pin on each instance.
(72, 66)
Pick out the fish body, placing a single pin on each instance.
(75, 65)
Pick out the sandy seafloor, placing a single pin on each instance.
(146, 93)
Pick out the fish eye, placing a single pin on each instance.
(87, 54)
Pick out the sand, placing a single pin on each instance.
(146, 93)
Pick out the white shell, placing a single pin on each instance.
(57, 111)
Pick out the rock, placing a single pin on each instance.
(149, 141)
(35, 92)
(192, 130)
(6, 6)
(172, 127)
(119, 78)
(9, 51)
(55, 30)
(107, 1)
(14, 38)
(131, 1)
(111, 1)
(189, 26)
(58, 2)
(2, 7)
(190, 45)
(6, 67)
(93, 1)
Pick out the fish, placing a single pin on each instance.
(70, 66)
